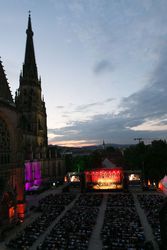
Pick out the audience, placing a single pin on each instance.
(122, 229)
(151, 204)
(50, 208)
(74, 230)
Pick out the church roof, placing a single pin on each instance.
(5, 93)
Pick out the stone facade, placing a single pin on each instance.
(11, 157)
(31, 106)
(23, 135)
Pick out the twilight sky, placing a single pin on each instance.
(103, 65)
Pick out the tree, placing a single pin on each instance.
(151, 159)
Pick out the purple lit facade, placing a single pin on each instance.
(32, 175)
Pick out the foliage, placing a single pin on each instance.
(151, 159)
(92, 160)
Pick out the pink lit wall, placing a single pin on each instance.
(32, 175)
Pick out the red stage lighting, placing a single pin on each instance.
(105, 178)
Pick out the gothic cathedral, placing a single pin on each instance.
(29, 103)
(25, 157)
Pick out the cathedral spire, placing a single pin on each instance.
(5, 93)
(29, 66)
(29, 103)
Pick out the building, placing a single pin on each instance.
(25, 158)
(31, 106)
(11, 158)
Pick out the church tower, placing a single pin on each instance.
(30, 104)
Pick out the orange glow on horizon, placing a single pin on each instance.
(74, 143)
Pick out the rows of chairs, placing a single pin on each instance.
(50, 207)
(122, 229)
(74, 230)
(151, 204)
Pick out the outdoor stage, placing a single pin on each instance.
(104, 179)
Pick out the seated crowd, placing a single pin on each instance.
(50, 208)
(151, 204)
(122, 229)
(89, 200)
(74, 230)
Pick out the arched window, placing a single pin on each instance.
(4, 143)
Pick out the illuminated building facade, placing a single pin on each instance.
(41, 160)
(24, 151)
(11, 157)
(33, 176)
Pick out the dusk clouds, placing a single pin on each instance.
(146, 107)
(128, 43)
(103, 65)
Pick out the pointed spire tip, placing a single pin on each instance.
(29, 28)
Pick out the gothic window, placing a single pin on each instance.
(4, 143)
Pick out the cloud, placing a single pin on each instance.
(150, 102)
(143, 114)
(103, 66)
(65, 115)
(74, 143)
(59, 107)
(141, 110)
(86, 107)
(109, 100)
(107, 127)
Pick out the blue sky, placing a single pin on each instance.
(103, 65)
